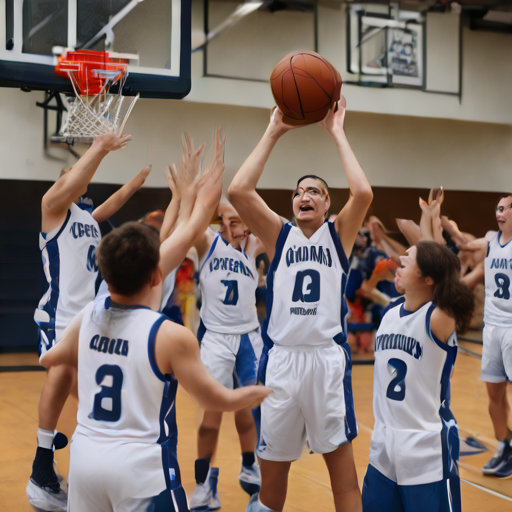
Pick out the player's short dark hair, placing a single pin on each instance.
(315, 177)
(128, 256)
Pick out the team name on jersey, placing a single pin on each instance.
(399, 342)
(231, 264)
(501, 263)
(303, 311)
(109, 345)
(79, 230)
(316, 253)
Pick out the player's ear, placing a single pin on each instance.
(327, 201)
(429, 281)
(156, 277)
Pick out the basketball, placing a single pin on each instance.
(305, 86)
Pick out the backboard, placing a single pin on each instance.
(34, 32)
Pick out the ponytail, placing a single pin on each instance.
(450, 293)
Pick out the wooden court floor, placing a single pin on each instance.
(309, 488)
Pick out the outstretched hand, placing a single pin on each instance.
(210, 184)
(335, 118)
(277, 125)
(112, 142)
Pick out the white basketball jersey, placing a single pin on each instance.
(305, 288)
(123, 396)
(228, 281)
(498, 277)
(411, 394)
(69, 262)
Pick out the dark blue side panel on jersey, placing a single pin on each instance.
(48, 328)
(281, 240)
(151, 347)
(339, 248)
(201, 331)
(210, 252)
(350, 416)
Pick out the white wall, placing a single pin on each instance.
(486, 81)
(400, 151)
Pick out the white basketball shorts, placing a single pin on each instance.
(497, 354)
(232, 358)
(312, 398)
(111, 476)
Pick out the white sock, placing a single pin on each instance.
(264, 508)
(45, 438)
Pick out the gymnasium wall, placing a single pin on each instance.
(394, 151)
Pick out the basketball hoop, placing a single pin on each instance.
(94, 110)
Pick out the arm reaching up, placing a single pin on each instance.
(207, 191)
(259, 218)
(118, 199)
(351, 217)
(172, 212)
(73, 184)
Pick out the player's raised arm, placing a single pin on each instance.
(73, 184)
(260, 219)
(351, 217)
(203, 194)
(118, 199)
(177, 351)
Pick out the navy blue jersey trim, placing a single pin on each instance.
(201, 330)
(394, 304)
(350, 416)
(339, 248)
(498, 236)
(151, 347)
(210, 252)
(406, 312)
(281, 240)
(488, 249)
(341, 337)
(109, 303)
(62, 228)
(432, 336)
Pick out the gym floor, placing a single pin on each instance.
(309, 487)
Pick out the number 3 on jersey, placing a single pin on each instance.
(307, 286)
(396, 388)
(107, 403)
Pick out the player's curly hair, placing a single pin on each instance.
(128, 256)
(450, 293)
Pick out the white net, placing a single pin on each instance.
(91, 115)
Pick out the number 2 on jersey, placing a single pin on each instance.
(503, 284)
(396, 388)
(112, 392)
(231, 298)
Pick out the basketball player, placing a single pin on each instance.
(129, 357)
(69, 237)
(230, 345)
(305, 320)
(497, 351)
(415, 447)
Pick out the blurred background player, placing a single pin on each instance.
(230, 344)
(123, 454)
(68, 241)
(305, 319)
(415, 444)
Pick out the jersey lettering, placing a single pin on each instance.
(107, 403)
(307, 286)
(396, 388)
(318, 254)
(109, 346)
(503, 284)
(230, 264)
(79, 230)
(399, 342)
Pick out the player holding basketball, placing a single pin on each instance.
(69, 237)
(305, 320)
(231, 345)
(415, 443)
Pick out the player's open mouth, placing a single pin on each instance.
(306, 208)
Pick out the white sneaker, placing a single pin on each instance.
(250, 479)
(46, 501)
(205, 497)
(256, 506)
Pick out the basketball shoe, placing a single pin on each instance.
(250, 478)
(256, 506)
(205, 497)
(502, 457)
